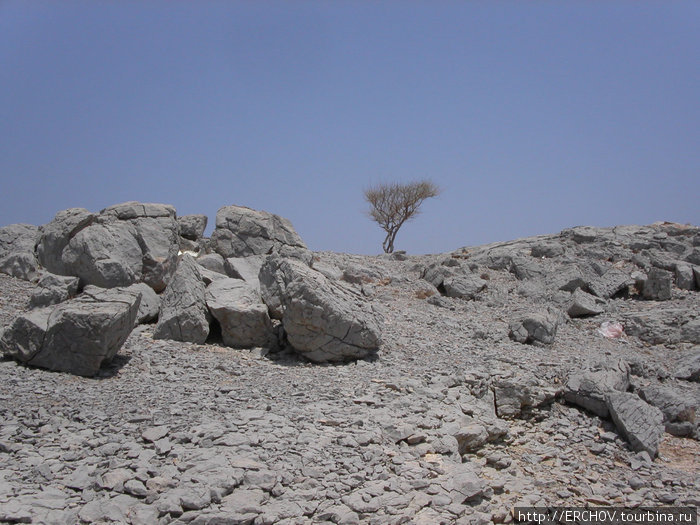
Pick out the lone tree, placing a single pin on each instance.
(394, 204)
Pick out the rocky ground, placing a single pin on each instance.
(176, 432)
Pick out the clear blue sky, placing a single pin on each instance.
(531, 116)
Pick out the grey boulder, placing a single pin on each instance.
(641, 424)
(243, 317)
(584, 304)
(212, 262)
(192, 226)
(77, 336)
(324, 320)
(540, 327)
(242, 231)
(17, 257)
(54, 289)
(610, 283)
(657, 287)
(588, 389)
(246, 268)
(56, 235)
(183, 311)
(688, 366)
(678, 410)
(149, 305)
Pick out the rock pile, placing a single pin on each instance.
(473, 382)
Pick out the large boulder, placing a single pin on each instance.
(324, 320)
(183, 311)
(243, 317)
(123, 244)
(657, 287)
(640, 423)
(588, 389)
(149, 305)
(241, 231)
(77, 336)
(17, 257)
(678, 410)
(192, 226)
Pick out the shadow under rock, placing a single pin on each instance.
(112, 368)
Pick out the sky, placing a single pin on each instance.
(530, 116)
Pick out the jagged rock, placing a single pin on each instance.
(246, 268)
(690, 331)
(149, 305)
(657, 287)
(54, 289)
(525, 268)
(213, 262)
(583, 304)
(243, 317)
(640, 423)
(17, 251)
(675, 408)
(56, 235)
(589, 389)
(547, 250)
(539, 327)
(517, 396)
(192, 226)
(323, 320)
(124, 244)
(688, 366)
(241, 231)
(685, 279)
(610, 283)
(77, 336)
(471, 437)
(183, 310)
(463, 286)
(571, 277)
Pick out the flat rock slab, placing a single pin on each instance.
(641, 424)
(588, 389)
(584, 304)
(76, 336)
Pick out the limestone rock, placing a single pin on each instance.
(17, 251)
(588, 389)
(246, 268)
(241, 313)
(56, 235)
(242, 231)
(658, 285)
(192, 226)
(640, 423)
(688, 366)
(685, 279)
(583, 304)
(183, 310)
(323, 320)
(540, 327)
(213, 262)
(149, 305)
(77, 336)
(675, 407)
(54, 289)
(610, 283)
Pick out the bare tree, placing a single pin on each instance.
(394, 204)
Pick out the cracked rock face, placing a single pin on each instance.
(241, 231)
(77, 336)
(324, 321)
(183, 308)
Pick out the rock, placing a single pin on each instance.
(56, 235)
(192, 226)
(657, 326)
(76, 336)
(463, 286)
(690, 331)
(17, 251)
(183, 311)
(675, 408)
(241, 231)
(547, 250)
(526, 268)
(570, 277)
(54, 289)
(213, 262)
(243, 317)
(324, 321)
(589, 389)
(658, 285)
(685, 279)
(688, 366)
(471, 437)
(246, 268)
(516, 396)
(640, 423)
(149, 305)
(584, 304)
(540, 327)
(466, 484)
(610, 283)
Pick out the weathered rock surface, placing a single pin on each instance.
(657, 287)
(17, 251)
(241, 231)
(183, 310)
(323, 320)
(54, 289)
(679, 412)
(640, 423)
(77, 336)
(539, 327)
(149, 306)
(192, 226)
(584, 304)
(688, 366)
(589, 389)
(243, 317)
